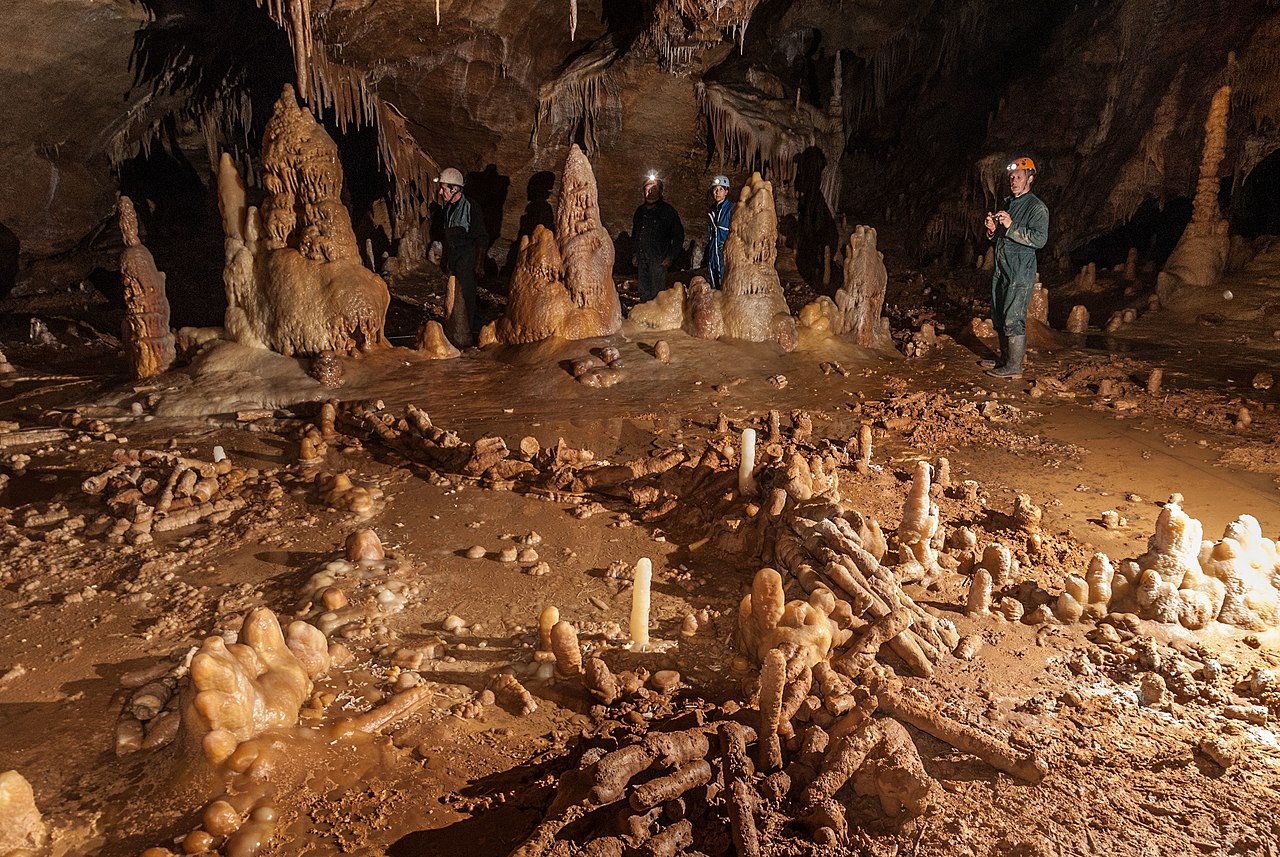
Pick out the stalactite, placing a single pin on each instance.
(573, 19)
(579, 96)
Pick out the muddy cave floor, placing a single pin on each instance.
(1125, 779)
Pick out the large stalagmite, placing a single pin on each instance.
(294, 280)
(562, 285)
(753, 304)
(1201, 254)
(149, 344)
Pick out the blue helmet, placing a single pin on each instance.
(720, 181)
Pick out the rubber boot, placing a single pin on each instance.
(1012, 367)
(1004, 352)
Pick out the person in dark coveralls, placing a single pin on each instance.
(465, 238)
(1019, 229)
(658, 237)
(720, 213)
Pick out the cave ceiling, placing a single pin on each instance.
(912, 106)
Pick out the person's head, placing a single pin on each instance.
(719, 188)
(451, 182)
(652, 189)
(1022, 172)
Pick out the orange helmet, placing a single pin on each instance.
(1022, 164)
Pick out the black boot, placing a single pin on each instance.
(1012, 367)
(1004, 355)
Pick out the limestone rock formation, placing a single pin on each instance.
(434, 344)
(865, 281)
(149, 344)
(753, 305)
(1201, 254)
(294, 280)
(562, 285)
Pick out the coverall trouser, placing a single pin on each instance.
(1011, 287)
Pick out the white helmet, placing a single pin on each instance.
(453, 177)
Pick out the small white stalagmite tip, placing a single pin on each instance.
(747, 463)
(640, 603)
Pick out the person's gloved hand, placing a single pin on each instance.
(1004, 219)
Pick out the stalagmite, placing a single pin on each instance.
(1078, 320)
(865, 281)
(917, 553)
(564, 642)
(640, 583)
(1201, 254)
(753, 304)
(562, 285)
(1154, 381)
(546, 621)
(747, 463)
(149, 343)
(294, 280)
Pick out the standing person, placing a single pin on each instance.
(465, 239)
(718, 230)
(659, 237)
(1023, 228)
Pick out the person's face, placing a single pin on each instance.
(652, 191)
(1019, 182)
(718, 193)
(448, 192)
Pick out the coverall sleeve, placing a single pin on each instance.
(1034, 232)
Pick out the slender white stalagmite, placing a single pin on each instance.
(747, 463)
(437, 13)
(573, 19)
(640, 582)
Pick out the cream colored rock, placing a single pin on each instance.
(920, 530)
(21, 826)
(149, 343)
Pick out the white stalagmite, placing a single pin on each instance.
(747, 462)
(573, 19)
(640, 583)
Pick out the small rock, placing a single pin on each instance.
(664, 680)
(539, 570)
(508, 555)
(476, 552)
(452, 624)
(527, 555)
(1263, 381)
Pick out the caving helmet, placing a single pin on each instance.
(453, 177)
(720, 181)
(1022, 164)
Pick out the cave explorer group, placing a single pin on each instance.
(1018, 230)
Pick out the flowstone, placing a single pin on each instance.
(562, 285)
(149, 344)
(753, 304)
(295, 283)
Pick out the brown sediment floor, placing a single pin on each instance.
(1126, 778)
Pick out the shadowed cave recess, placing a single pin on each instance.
(342, 516)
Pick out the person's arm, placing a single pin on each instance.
(1034, 231)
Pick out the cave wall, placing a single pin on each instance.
(1109, 97)
(64, 72)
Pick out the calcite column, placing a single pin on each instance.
(149, 344)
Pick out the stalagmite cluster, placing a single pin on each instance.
(149, 344)
(260, 682)
(294, 279)
(562, 285)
